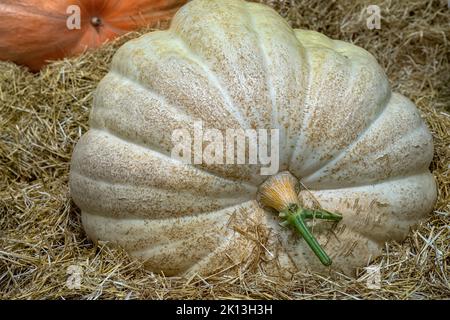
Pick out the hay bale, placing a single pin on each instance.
(43, 115)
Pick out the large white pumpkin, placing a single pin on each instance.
(356, 147)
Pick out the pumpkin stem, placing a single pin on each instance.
(320, 214)
(296, 216)
(278, 192)
(96, 21)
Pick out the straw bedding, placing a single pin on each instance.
(43, 115)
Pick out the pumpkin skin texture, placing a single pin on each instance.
(33, 31)
(359, 149)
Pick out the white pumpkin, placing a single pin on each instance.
(357, 148)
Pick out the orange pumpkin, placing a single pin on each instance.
(34, 31)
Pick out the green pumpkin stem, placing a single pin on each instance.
(297, 220)
(321, 214)
(278, 192)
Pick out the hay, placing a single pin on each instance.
(43, 115)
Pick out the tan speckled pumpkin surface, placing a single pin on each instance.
(356, 147)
